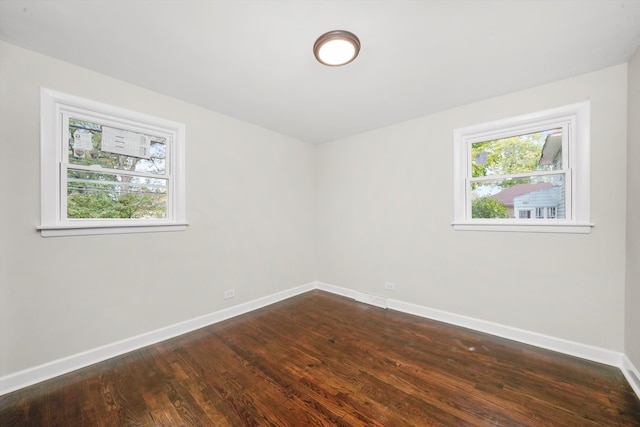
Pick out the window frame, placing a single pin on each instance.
(55, 109)
(575, 118)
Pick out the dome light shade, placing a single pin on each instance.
(336, 48)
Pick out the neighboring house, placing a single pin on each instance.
(552, 155)
(539, 204)
(544, 200)
(508, 196)
(552, 150)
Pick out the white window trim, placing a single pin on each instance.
(52, 105)
(577, 117)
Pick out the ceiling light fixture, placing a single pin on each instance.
(336, 48)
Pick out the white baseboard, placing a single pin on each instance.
(58, 367)
(62, 366)
(572, 348)
(584, 351)
(363, 297)
(372, 299)
(338, 290)
(632, 374)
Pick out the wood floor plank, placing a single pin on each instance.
(323, 360)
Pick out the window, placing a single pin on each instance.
(526, 173)
(108, 170)
(551, 212)
(524, 214)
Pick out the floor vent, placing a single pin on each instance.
(371, 299)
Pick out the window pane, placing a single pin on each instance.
(524, 214)
(540, 197)
(86, 147)
(539, 151)
(104, 195)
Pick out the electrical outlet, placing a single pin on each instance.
(390, 286)
(229, 293)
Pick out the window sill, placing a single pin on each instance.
(518, 226)
(82, 230)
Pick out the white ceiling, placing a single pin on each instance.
(253, 59)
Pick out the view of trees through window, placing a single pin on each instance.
(512, 176)
(104, 179)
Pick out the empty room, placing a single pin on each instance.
(318, 212)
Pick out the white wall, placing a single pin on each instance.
(250, 203)
(385, 207)
(265, 209)
(632, 325)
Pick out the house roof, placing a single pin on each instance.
(507, 195)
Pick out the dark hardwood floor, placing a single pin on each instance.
(323, 360)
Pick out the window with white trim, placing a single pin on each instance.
(525, 173)
(108, 170)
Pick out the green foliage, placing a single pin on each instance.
(106, 193)
(104, 205)
(506, 156)
(486, 207)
